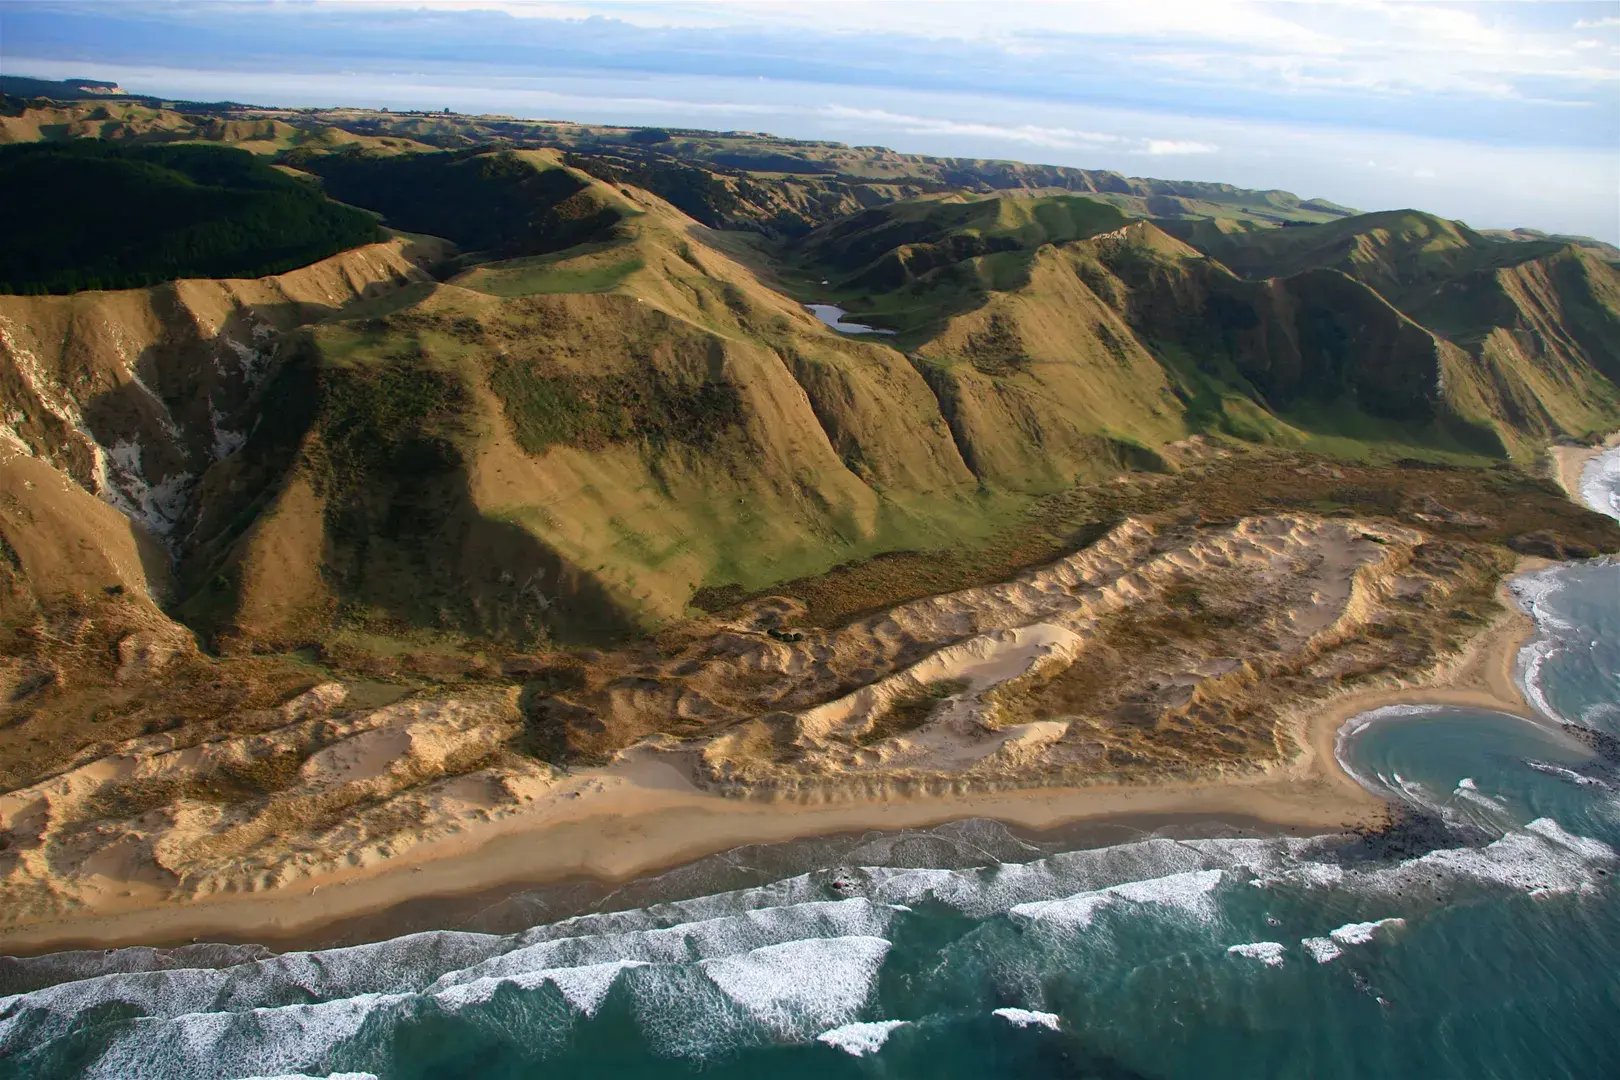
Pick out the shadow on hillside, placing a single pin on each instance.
(411, 548)
(403, 548)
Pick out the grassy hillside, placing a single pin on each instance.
(1605, 251)
(1320, 351)
(580, 442)
(575, 444)
(607, 409)
(1398, 252)
(953, 228)
(735, 180)
(830, 167)
(1395, 327)
(127, 120)
(146, 214)
(55, 89)
(911, 266)
(1531, 328)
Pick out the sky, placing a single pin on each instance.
(1501, 114)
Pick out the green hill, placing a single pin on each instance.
(641, 418)
(933, 232)
(1605, 251)
(607, 408)
(1532, 323)
(1398, 252)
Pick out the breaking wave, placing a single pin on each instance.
(1600, 483)
(713, 975)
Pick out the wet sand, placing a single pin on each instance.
(649, 817)
(1569, 462)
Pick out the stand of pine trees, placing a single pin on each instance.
(94, 215)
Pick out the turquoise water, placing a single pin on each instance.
(1479, 939)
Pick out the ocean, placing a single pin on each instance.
(1479, 938)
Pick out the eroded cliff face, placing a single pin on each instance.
(135, 394)
(124, 419)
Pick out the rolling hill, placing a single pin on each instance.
(732, 180)
(1528, 326)
(605, 407)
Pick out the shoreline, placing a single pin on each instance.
(1569, 464)
(480, 911)
(646, 817)
(650, 819)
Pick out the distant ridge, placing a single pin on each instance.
(60, 89)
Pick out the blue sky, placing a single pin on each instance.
(1501, 114)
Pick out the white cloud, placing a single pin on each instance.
(1360, 46)
(1052, 137)
(1403, 49)
(1236, 21)
(1351, 47)
(522, 9)
(1170, 147)
(1033, 134)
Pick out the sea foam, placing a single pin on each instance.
(721, 935)
(1323, 950)
(1600, 483)
(1578, 779)
(1362, 932)
(1269, 953)
(860, 1039)
(582, 987)
(1029, 1018)
(816, 983)
(1188, 893)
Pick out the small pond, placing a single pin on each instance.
(833, 316)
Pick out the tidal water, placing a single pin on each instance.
(1480, 939)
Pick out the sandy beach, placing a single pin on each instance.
(1569, 462)
(646, 817)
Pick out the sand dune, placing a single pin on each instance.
(372, 806)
